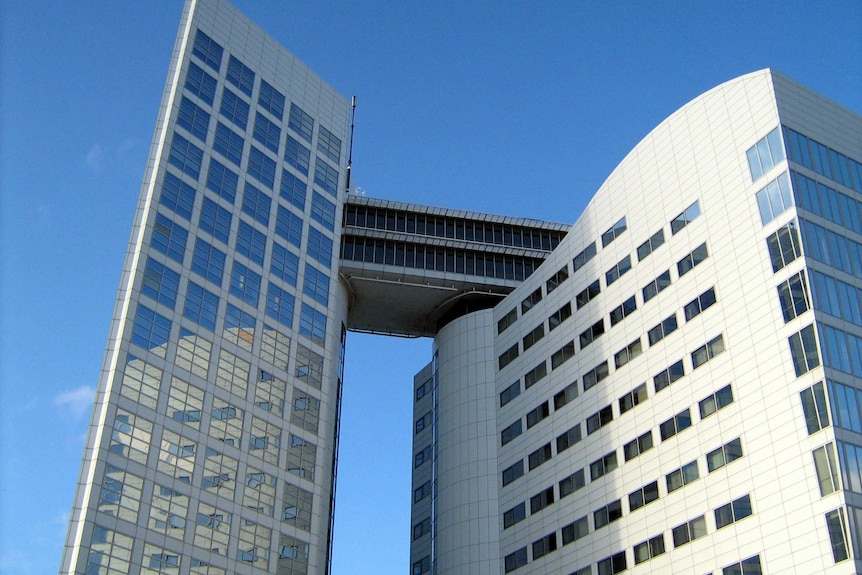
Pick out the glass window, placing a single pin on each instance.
(767, 152)
(614, 232)
(200, 83)
(535, 374)
(300, 122)
(793, 296)
(646, 550)
(266, 132)
(531, 300)
(271, 100)
(515, 560)
(653, 288)
(261, 167)
(614, 564)
(826, 468)
(584, 256)
(649, 246)
(160, 283)
(689, 531)
(803, 350)
(718, 400)
(595, 375)
(207, 50)
(607, 514)
(708, 351)
(323, 211)
(599, 419)
(558, 278)
(151, 330)
(201, 306)
(662, 330)
(326, 176)
(814, 407)
(603, 465)
(319, 247)
(576, 530)
(507, 320)
(700, 303)
(724, 455)
(245, 284)
(239, 327)
(215, 220)
(289, 226)
(572, 483)
(279, 305)
(240, 75)
(533, 336)
(312, 324)
(177, 195)
(643, 496)
(562, 355)
(686, 217)
(186, 156)
(545, 545)
(293, 189)
(169, 238)
(510, 393)
(686, 474)
(588, 294)
(750, 566)
(297, 155)
(512, 516)
(676, 424)
(671, 374)
(623, 310)
(208, 261)
(234, 109)
(783, 246)
(560, 316)
(513, 472)
(537, 414)
(569, 438)
(733, 512)
(541, 500)
(687, 263)
(619, 270)
(774, 199)
(221, 179)
(511, 432)
(635, 397)
(628, 353)
(837, 534)
(592, 333)
(329, 145)
(316, 285)
(250, 242)
(194, 119)
(637, 446)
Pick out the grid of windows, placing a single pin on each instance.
(266, 132)
(271, 99)
(326, 176)
(289, 226)
(316, 285)
(215, 220)
(186, 156)
(201, 306)
(220, 179)
(831, 248)
(329, 144)
(234, 109)
(151, 330)
(828, 203)
(201, 84)
(297, 155)
(169, 238)
(229, 144)
(177, 195)
(160, 283)
(319, 247)
(293, 190)
(245, 284)
(300, 122)
(250, 242)
(284, 265)
(261, 167)
(208, 261)
(312, 324)
(194, 119)
(279, 305)
(240, 75)
(207, 50)
(323, 211)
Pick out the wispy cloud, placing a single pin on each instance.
(95, 158)
(76, 402)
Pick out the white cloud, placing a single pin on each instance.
(76, 402)
(95, 157)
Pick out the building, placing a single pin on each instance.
(692, 345)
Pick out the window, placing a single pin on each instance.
(151, 330)
(643, 496)
(271, 100)
(316, 285)
(508, 356)
(569, 438)
(566, 395)
(687, 263)
(589, 293)
(326, 176)
(200, 83)
(575, 530)
(814, 406)
(300, 122)
(583, 257)
(266, 132)
(169, 238)
(160, 283)
(707, 351)
(793, 296)
(221, 179)
(284, 265)
(628, 353)
(289, 226)
(837, 534)
(329, 145)
(686, 474)
(515, 560)
(513, 472)
(208, 262)
(695, 307)
(194, 119)
(535, 374)
(423, 422)
(614, 564)
(733, 512)
(229, 144)
(245, 284)
(750, 566)
(507, 320)
(240, 75)
(534, 336)
(646, 550)
(514, 515)
(559, 316)
(783, 246)
(422, 456)
(422, 492)
(607, 514)
(590, 334)
(555, 280)
(623, 310)
(718, 400)
(250, 242)
(279, 305)
(827, 202)
(650, 245)
(618, 271)
(215, 220)
(595, 375)
(614, 232)
(234, 109)
(603, 465)
(826, 468)
(671, 374)
(572, 483)
(637, 446)
(511, 432)
(297, 156)
(686, 217)
(842, 351)
(293, 190)
(545, 545)
(510, 393)
(763, 155)
(635, 397)
(319, 246)
(599, 419)
(803, 350)
(774, 199)
(662, 330)
(676, 424)
(261, 167)
(323, 211)
(424, 389)
(562, 355)
(689, 531)
(724, 455)
(201, 306)
(653, 288)
(541, 500)
(531, 300)
(186, 156)
(540, 456)
(207, 50)
(178, 196)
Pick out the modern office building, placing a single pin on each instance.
(673, 384)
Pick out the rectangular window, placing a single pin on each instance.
(733, 512)
(250, 242)
(696, 306)
(708, 351)
(508, 356)
(207, 50)
(151, 330)
(563, 355)
(510, 393)
(592, 333)
(689, 531)
(803, 350)
(422, 492)
(637, 446)
(515, 560)
(583, 257)
(201, 306)
(559, 316)
(271, 100)
(234, 109)
(653, 288)
(662, 330)
(774, 199)
(261, 167)
(686, 474)
(643, 496)
(649, 246)
(215, 220)
(623, 310)
(514, 515)
(507, 320)
(312, 324)
(289, 226)
(539, 456)
(814, 406)
(718, 400)
(537, 414)
(329, 145)
(200, 83)
(319, 246)
(245, 284)
(837, 529)
(186, 156)
(513, 472)
(607, 514)
(676, 424)
(511, 432)
(671, 374)
(569, 438)
(635, 397)
(545, 545)
(326, 176)
(423, 422)
(534, 336)
(323, 211)
(826, 468)
(531, 300)
(160, 283)
(724, 455)
(558, 278)
(222, 181)
(293, 190)
(628, 353)
(793, 296)
(300, 122)
(750, 566)
(603, 465)
(297, 156)
(535, 374)
(688, 263)
(783, 246)
(618, 271)
(266, 132)
(599, 419)
(285, 264)
(595, 375)
(208, 262)
(279, 305)
(229, 144)
(686, 217)
(572, 483)
(566, 395)
(169, 238)
(194, 119)
(316, 285)
(614, 564)
(836, 298)
(240, 75)
(178, 196)
(588, 294)
(646, 550)
(575, 530)
(614, 232)
(541, 500)
(763, 155)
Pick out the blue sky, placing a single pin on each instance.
(521, 108)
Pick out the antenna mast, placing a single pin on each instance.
(350, 148)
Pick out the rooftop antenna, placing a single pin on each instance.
(350, 149)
